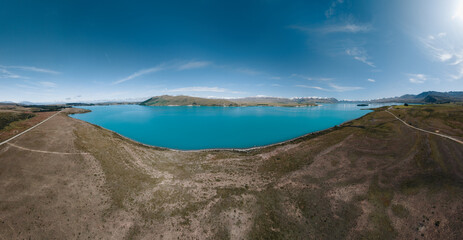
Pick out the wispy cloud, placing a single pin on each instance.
(417, 78)
(48, 84)
(30, 68)
(140, 73)
(339, 28)
(333, 88)
(7, 74)
(447, 49)
(38, 86)
(313, 87)
(347, 28)
(360, 54)
(7, 71)
(310, 78)
(194, 64)
(332, 9)
(439, 47)
(338, 88)
(371, 80)
(166, 66)
(35, 69)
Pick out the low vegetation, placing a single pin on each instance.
(8, 117)
(45, 108)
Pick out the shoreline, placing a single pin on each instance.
(242, 150)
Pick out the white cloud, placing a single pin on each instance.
(339, 28)
(314, 87)
(311, 78)
(165, 66)
(7, 74)
(30, 68)
(333, 88)
(275, 78)
(347, 28)
(276, 85)
(445, 56)
(360, 54)
(35, 69)
(417, 78)
(141, 73)
(193, 65)
(459, 74)
(48, 84)
(371, 80)
(332, 9)
(4, 73)
(338, 88)
(448, 49)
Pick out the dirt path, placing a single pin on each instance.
(28, 129)
(41, 151)
(426, 131)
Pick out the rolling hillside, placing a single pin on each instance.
(166, 100)
(426, 97)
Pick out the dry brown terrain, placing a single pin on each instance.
(372, 178)
(20, 126)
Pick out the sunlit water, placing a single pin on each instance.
(189, 128)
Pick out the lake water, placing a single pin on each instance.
(189, 128)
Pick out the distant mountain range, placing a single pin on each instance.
(274, 101)
(425, 97)
(166, 100)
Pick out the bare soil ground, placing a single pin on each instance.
(372, 178)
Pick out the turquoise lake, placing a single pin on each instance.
(191, 128)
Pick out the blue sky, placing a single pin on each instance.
(117, 50)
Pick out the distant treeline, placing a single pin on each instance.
(8, 117)
(45, 108)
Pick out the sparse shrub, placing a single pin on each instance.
(399, 210)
